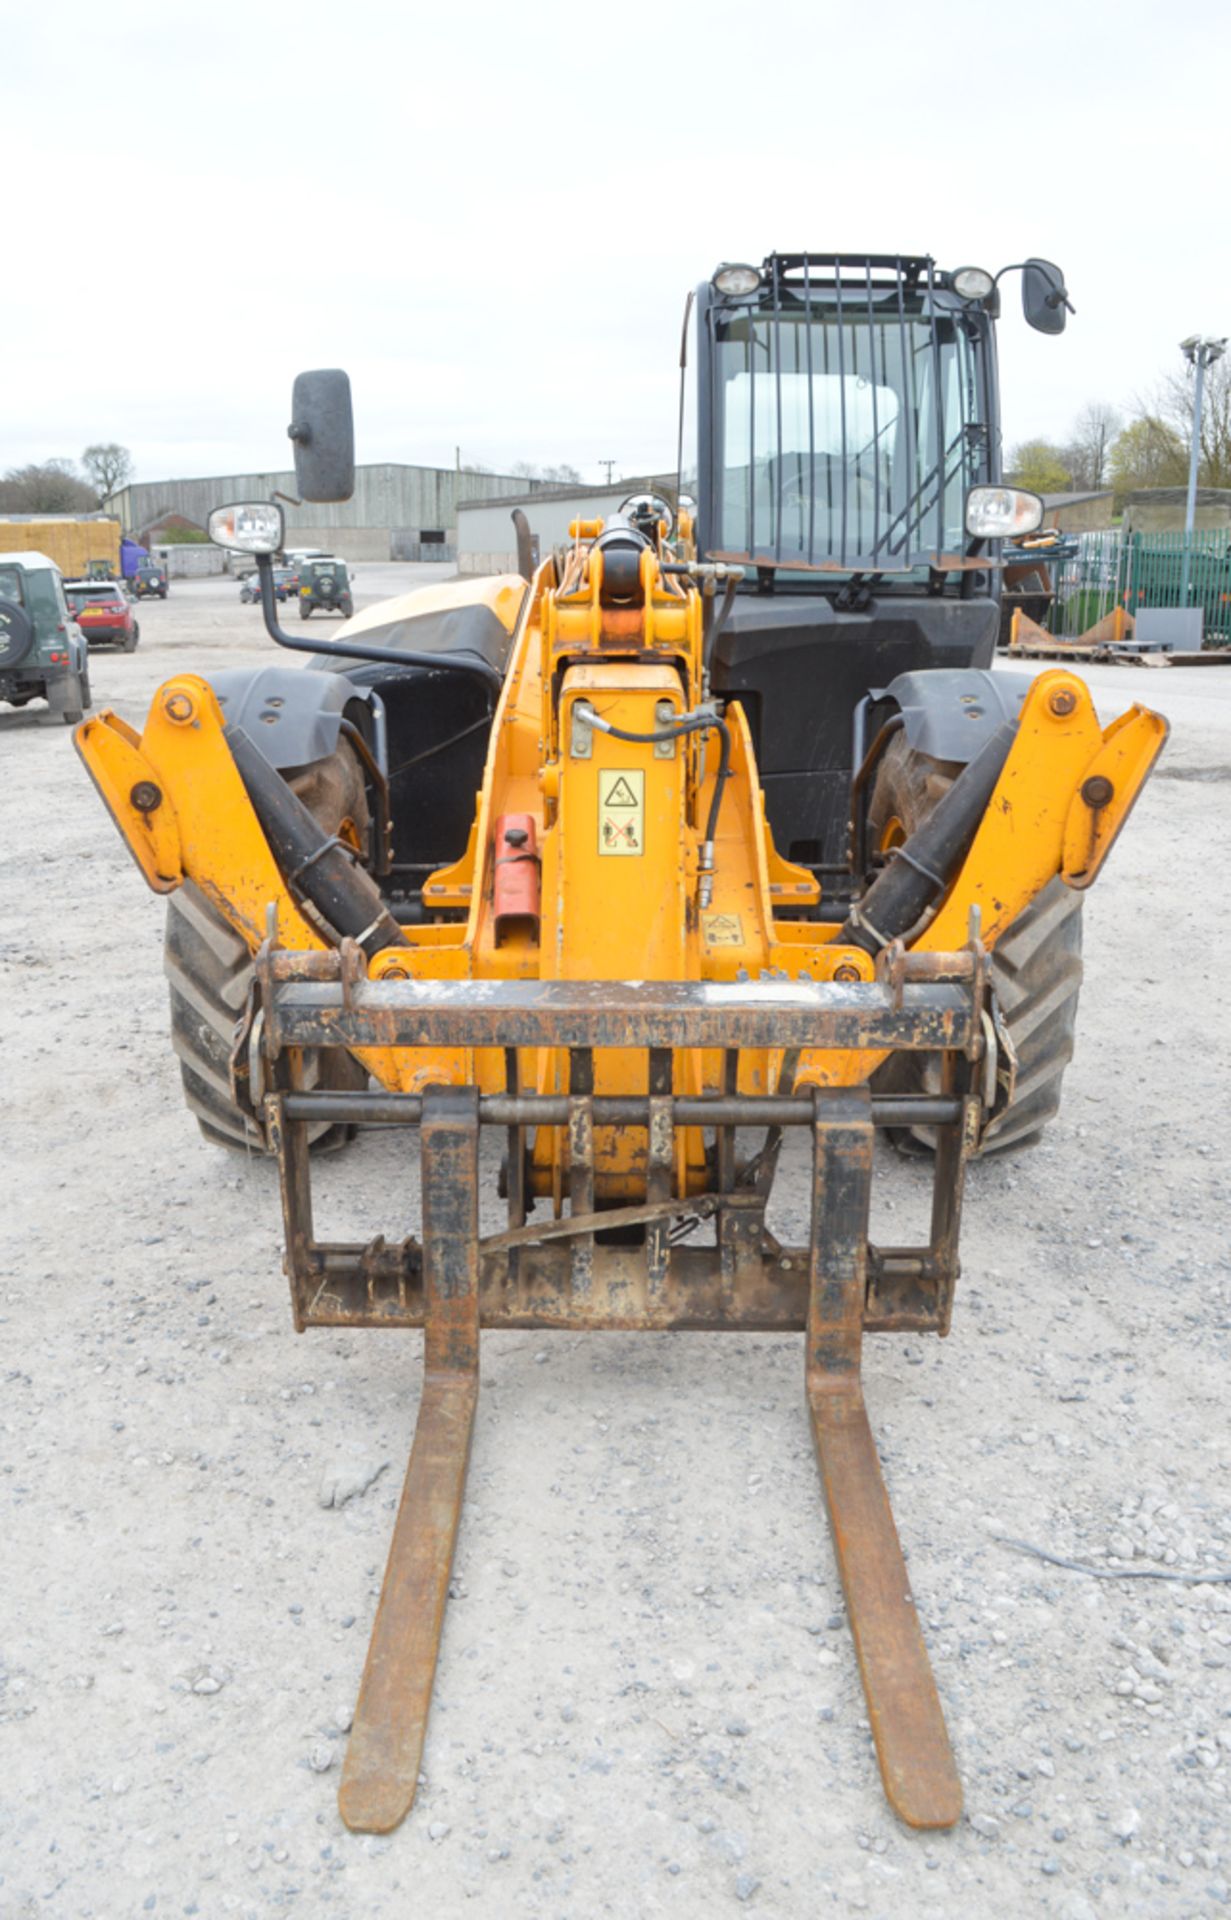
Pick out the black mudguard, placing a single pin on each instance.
(293, 714)
(952, 712)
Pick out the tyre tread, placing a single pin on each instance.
(1036, 968)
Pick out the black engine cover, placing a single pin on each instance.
(799, 669)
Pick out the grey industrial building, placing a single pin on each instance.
(396, 512)
(487, 541)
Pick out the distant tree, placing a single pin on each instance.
(1148, 453)
(109, 466)
(1089, 449)
(54, 486)
(1039, 465)
(562, 474)
(1174, 404)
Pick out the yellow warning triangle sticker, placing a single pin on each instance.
(621, 795)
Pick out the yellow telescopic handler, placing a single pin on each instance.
(760, 841)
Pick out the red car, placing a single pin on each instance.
(104, 613)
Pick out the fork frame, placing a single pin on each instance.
(564, 1273)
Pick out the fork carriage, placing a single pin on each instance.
(576, 1269)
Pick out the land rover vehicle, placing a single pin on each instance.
(42, 649)
(325, 584)
(150, 581)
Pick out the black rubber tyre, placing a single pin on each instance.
(304, 609)
(208, 971)
(83, 686)
(1036, 966)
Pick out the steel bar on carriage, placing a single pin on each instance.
(616, 1110)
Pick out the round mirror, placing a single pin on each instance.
(646, 511)
(249, 526)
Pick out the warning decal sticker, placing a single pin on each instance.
(723, 929)
(621, 811)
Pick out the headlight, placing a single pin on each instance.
(973, 283)
(733, 278)
(1002, 513)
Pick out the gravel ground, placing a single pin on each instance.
(647, 1700)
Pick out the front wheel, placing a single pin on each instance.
(209, 971)
(1036, 966)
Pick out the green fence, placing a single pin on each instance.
(1144, 570)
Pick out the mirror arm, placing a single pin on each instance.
(348, 650)
(1059, 296)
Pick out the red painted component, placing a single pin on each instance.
(515, 889)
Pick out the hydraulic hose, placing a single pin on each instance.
(675, 730)
(318, 870)
(922, 869)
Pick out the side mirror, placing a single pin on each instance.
(251, 526)
(1045, 299)
(323, 431)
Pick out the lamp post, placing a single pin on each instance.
(1200, 353)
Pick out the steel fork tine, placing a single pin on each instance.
(908, 1727)
(381, 1772)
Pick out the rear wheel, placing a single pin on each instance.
(209, 970)
(1036, 965)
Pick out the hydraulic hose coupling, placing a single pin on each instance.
(705, 875)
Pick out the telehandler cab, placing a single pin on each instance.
(760, 842)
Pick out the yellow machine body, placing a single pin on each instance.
(619, 834)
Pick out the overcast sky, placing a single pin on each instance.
(491, 214)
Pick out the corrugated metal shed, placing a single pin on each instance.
(487, 543)
(391, 503)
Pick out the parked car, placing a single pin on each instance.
(148, 580)
(325, 584)
(42, 649)
(286, 582)
(292, 557)
(104, 613)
